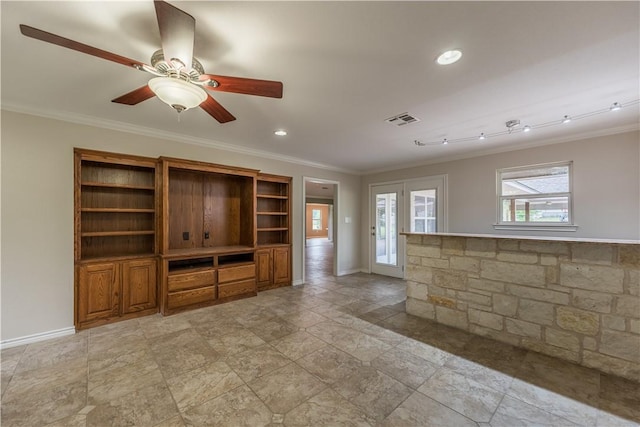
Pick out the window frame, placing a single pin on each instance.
(500, 224)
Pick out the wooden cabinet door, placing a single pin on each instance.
(263, 267)
(281, 265)
(98, 291)
(139, 285)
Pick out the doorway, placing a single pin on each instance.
(320, 233)
(417, 206)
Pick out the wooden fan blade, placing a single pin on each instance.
(177, 30)
(268, 88)
(135, 96)
(216, 110)
(74, 45)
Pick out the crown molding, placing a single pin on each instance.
(575, 137)
(81, 119)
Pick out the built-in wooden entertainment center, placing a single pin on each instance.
(170, 235)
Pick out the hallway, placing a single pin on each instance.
(318, 258)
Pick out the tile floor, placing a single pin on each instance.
(336, 351)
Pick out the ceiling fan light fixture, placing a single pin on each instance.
(281, 132)
(178, 94)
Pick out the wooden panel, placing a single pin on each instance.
(109, 197)
(139, 285)
(185, 209)
(98, 291)
(177, 282)
(111, 246)
(263, 267)
(118, 174)
(193, 296)
(237, 288)
(221, 211)
(281, 265)
(231, 274)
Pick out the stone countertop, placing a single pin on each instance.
(541, 238)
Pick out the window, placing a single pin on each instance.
(423, 211)
(316, 219)
(535, 197)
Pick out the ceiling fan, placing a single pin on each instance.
(180, 80)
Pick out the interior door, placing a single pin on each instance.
(387, 254)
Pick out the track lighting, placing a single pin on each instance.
(513, 126)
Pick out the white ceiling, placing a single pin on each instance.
(346, 67)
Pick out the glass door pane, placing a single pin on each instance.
(386, 228)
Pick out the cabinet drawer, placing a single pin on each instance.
(193, 296)
(232, 274)
(178, 282)
(238, 288)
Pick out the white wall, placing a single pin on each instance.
(606, 187)
(37, 211)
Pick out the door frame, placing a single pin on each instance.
(336, 225)
(442, 224)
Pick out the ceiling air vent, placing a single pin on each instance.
(402, 119)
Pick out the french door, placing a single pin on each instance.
(417, 206)
(387, 255)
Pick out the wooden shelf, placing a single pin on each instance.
(116, 233)
(274, 229)
(123, 186)
(118, 210)
(273, 213)
(272, 196)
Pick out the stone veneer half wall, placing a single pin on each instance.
(576, 300)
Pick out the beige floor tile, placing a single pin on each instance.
(273, 329)
(554, 403)
(181, 351)
(145, 407)
(330, 364)
(201, 384)
(43, 404)
(52, 352)
(257, 362)
(327, 408)
(428, 352)
(462, 394)
(238, 407)
(236, 342)
(513, 412)
(620, 396)
(374, 392)
(420, 410)
(193, 369)
(357, 344)
(158, 325)
(407, 368)
(298, 344)
(109, 384)
(286, 388)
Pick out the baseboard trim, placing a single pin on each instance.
(347, 272)
(43, 336)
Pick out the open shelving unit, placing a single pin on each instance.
(273, 212)
(115, 237)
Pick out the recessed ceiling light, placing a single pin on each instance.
(449, 57)
(281, 132)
